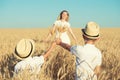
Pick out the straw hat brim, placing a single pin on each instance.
(30, 49)
(89, 36)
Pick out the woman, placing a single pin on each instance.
(61, 27)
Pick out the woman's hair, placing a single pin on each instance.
(60, 16)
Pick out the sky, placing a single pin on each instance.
(43, 13)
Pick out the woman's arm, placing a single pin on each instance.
(71, 32)
(48, 36)
(52, 31)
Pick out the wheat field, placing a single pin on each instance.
(60, 65)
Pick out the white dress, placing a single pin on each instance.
(61, 31)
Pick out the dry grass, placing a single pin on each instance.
(61, 64)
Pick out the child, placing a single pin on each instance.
(23, 51)
(88, 57)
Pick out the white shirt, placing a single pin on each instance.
(87, 58)
(62, 35)
(32, 64)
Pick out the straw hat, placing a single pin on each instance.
(91, 30)
(24, 48)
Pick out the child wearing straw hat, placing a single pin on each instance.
(88, 57)
(23, 51)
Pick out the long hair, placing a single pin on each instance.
(60, 16)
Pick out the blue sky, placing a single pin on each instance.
(43, 13)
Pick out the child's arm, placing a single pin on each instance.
(49, 50)
(56, 42)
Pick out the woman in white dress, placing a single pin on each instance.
(61, 27)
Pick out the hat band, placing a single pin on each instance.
(90, 35)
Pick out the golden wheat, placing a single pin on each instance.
(60, 65)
